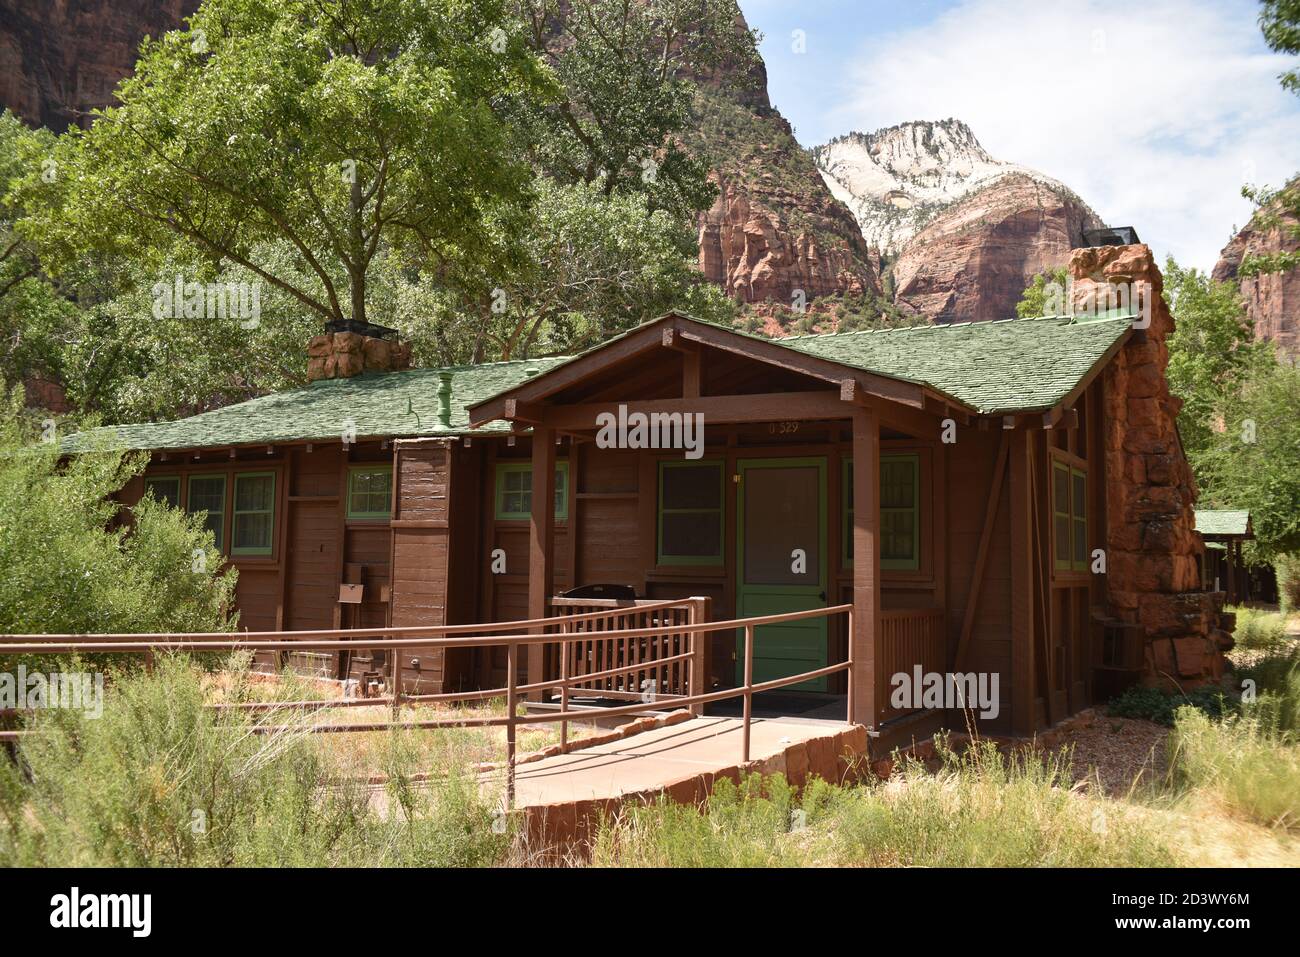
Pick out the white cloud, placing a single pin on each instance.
(1155, 113)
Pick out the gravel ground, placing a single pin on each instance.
(1117, 752)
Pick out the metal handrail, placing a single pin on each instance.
(58, 644)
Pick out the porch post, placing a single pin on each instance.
(1229, 551)
(541, 543)
(1024, 694)
(866, 564)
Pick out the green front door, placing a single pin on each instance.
(781, 566)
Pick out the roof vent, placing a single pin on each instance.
(531, 371)
(444, 399)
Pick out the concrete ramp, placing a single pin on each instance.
(563, 796)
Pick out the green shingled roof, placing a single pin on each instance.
(396, 404)
(1016, 365)
(1222, 521)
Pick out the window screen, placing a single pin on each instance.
(208, 494)
(690, 513)
(254, 514)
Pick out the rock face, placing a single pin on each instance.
(974, 260)
(775, 232)
(968, 231)
(62, 58)
(747, 247)
(1273, 300)
(1152, 547)
(898, 180)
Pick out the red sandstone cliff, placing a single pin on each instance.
(974, 259)
(775, 230)
(62, 58)
(1273, 300)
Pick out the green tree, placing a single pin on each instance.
(1280, 21)
(1212, 353)
(340, 129)
(1045, 295)
(1253, 461)
(627, 70)
(32, 311)
(599, 265)
(72, 567)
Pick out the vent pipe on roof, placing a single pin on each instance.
(444, 399)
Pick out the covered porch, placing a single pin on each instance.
(767, 511)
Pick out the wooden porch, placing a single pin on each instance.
(826, 417)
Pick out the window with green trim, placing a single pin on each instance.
(1069, 517)
(900, 512)
(207, 493)
(690, 513)
(514, 495)
(370, 491)
(165, 488)
(253, 528)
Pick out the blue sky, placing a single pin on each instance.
(1155, 113)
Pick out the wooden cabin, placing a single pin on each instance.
(1004, 498)
(1224, 568)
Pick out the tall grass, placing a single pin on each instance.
(982, 808)
(744, 825)
(161, 780)
(1240, 763)
(1259, 630)
(1250, 763)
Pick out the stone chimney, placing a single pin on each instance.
(1152, 548)
(350, 348)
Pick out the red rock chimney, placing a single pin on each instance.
(350, 348)
(1152, 547)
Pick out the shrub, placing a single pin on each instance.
(69, 570)
(1275, 698)
(1154, 704)
(161, 780)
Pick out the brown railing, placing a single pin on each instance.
(908, 637)
(670, 663)
(469, 636)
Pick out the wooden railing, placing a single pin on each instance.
(460, 636)
(908, 637)
(665, 663)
